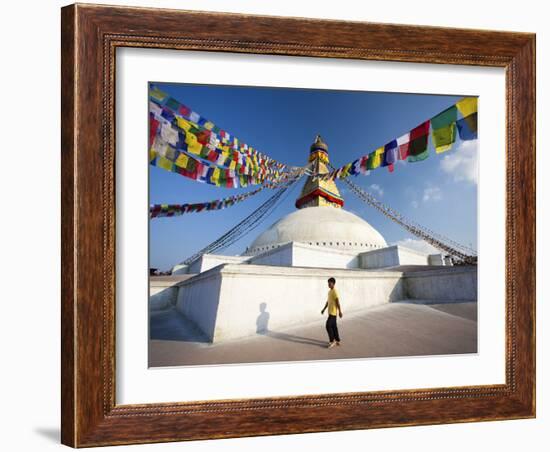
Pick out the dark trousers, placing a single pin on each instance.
(332, 329)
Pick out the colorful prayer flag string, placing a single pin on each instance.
(173, 210)
(413, 146)
(191, 133)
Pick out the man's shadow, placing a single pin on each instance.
(262, 321)
(262, 327)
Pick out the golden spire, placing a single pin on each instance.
(317, 192)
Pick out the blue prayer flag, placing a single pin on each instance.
(467, 127)
(390, 153)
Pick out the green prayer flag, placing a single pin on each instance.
(444, 129)
(445, 118)
(418, 157)
(172, 103)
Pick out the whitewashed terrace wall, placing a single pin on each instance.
(304, 255)
(208, 261)
(391, 257)
(445, 284)
(198, 299)
(292, 296)
(163, 291)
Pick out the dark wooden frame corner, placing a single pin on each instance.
(90, 35)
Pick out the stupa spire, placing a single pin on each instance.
(318, 192)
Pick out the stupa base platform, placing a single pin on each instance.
(388, 330)
(234, 301)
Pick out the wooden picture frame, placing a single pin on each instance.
(90, 36)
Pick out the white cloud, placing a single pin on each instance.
(432, 194)
(415, 204)
(418, 245)
(462, 164)
(377, 189)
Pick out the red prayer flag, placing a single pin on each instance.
(212, 156)
(184, 111)
(153, 127)
(420, 131)
(203, 137)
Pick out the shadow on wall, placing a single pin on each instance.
(162, 297)
(398, 292)
(262, 328)
(262, 322)
(171, 325)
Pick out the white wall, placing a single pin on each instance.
(30, 330)
(291, 295)
(305, 255)
(208, 261)
(392, 256)
(281, 255)
(225, 302)
(445, 284)
(162, 295)
(313, 256)
(163, 290)
(198, 300)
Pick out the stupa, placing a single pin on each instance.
(320, 219)
(320, 233)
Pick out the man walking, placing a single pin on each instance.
(334, 309)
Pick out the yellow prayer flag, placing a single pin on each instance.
(467, 106)
(216, 175)
(209, 125)
(183, 123)
(182, 161)
(443, 148)
(193, 146)
(164, 163)
(157, 94)
(152, 154)
(345, 172)
(377, 157)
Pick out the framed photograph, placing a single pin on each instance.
(283, 225)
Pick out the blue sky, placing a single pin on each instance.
(439, 192)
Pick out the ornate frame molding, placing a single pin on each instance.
(90, 37)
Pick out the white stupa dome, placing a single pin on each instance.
(321, 226)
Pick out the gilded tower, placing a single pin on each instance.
(317, 192)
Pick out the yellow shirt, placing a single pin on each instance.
(332, 297)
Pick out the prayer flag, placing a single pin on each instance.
(444, 130)
(169, 134)
(418, 147)
(157, 94)
(390, 153)
(467, 106)
(182, 161)
(164, 163)
(153, 127)
(184, 111)
(467, 127)
(375, 158)
(445, 118)
(404, 146)
(172, 104)
(194, 117)
(444, 137)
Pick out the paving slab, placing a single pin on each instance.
(389, 330)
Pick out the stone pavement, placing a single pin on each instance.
(389, 330)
